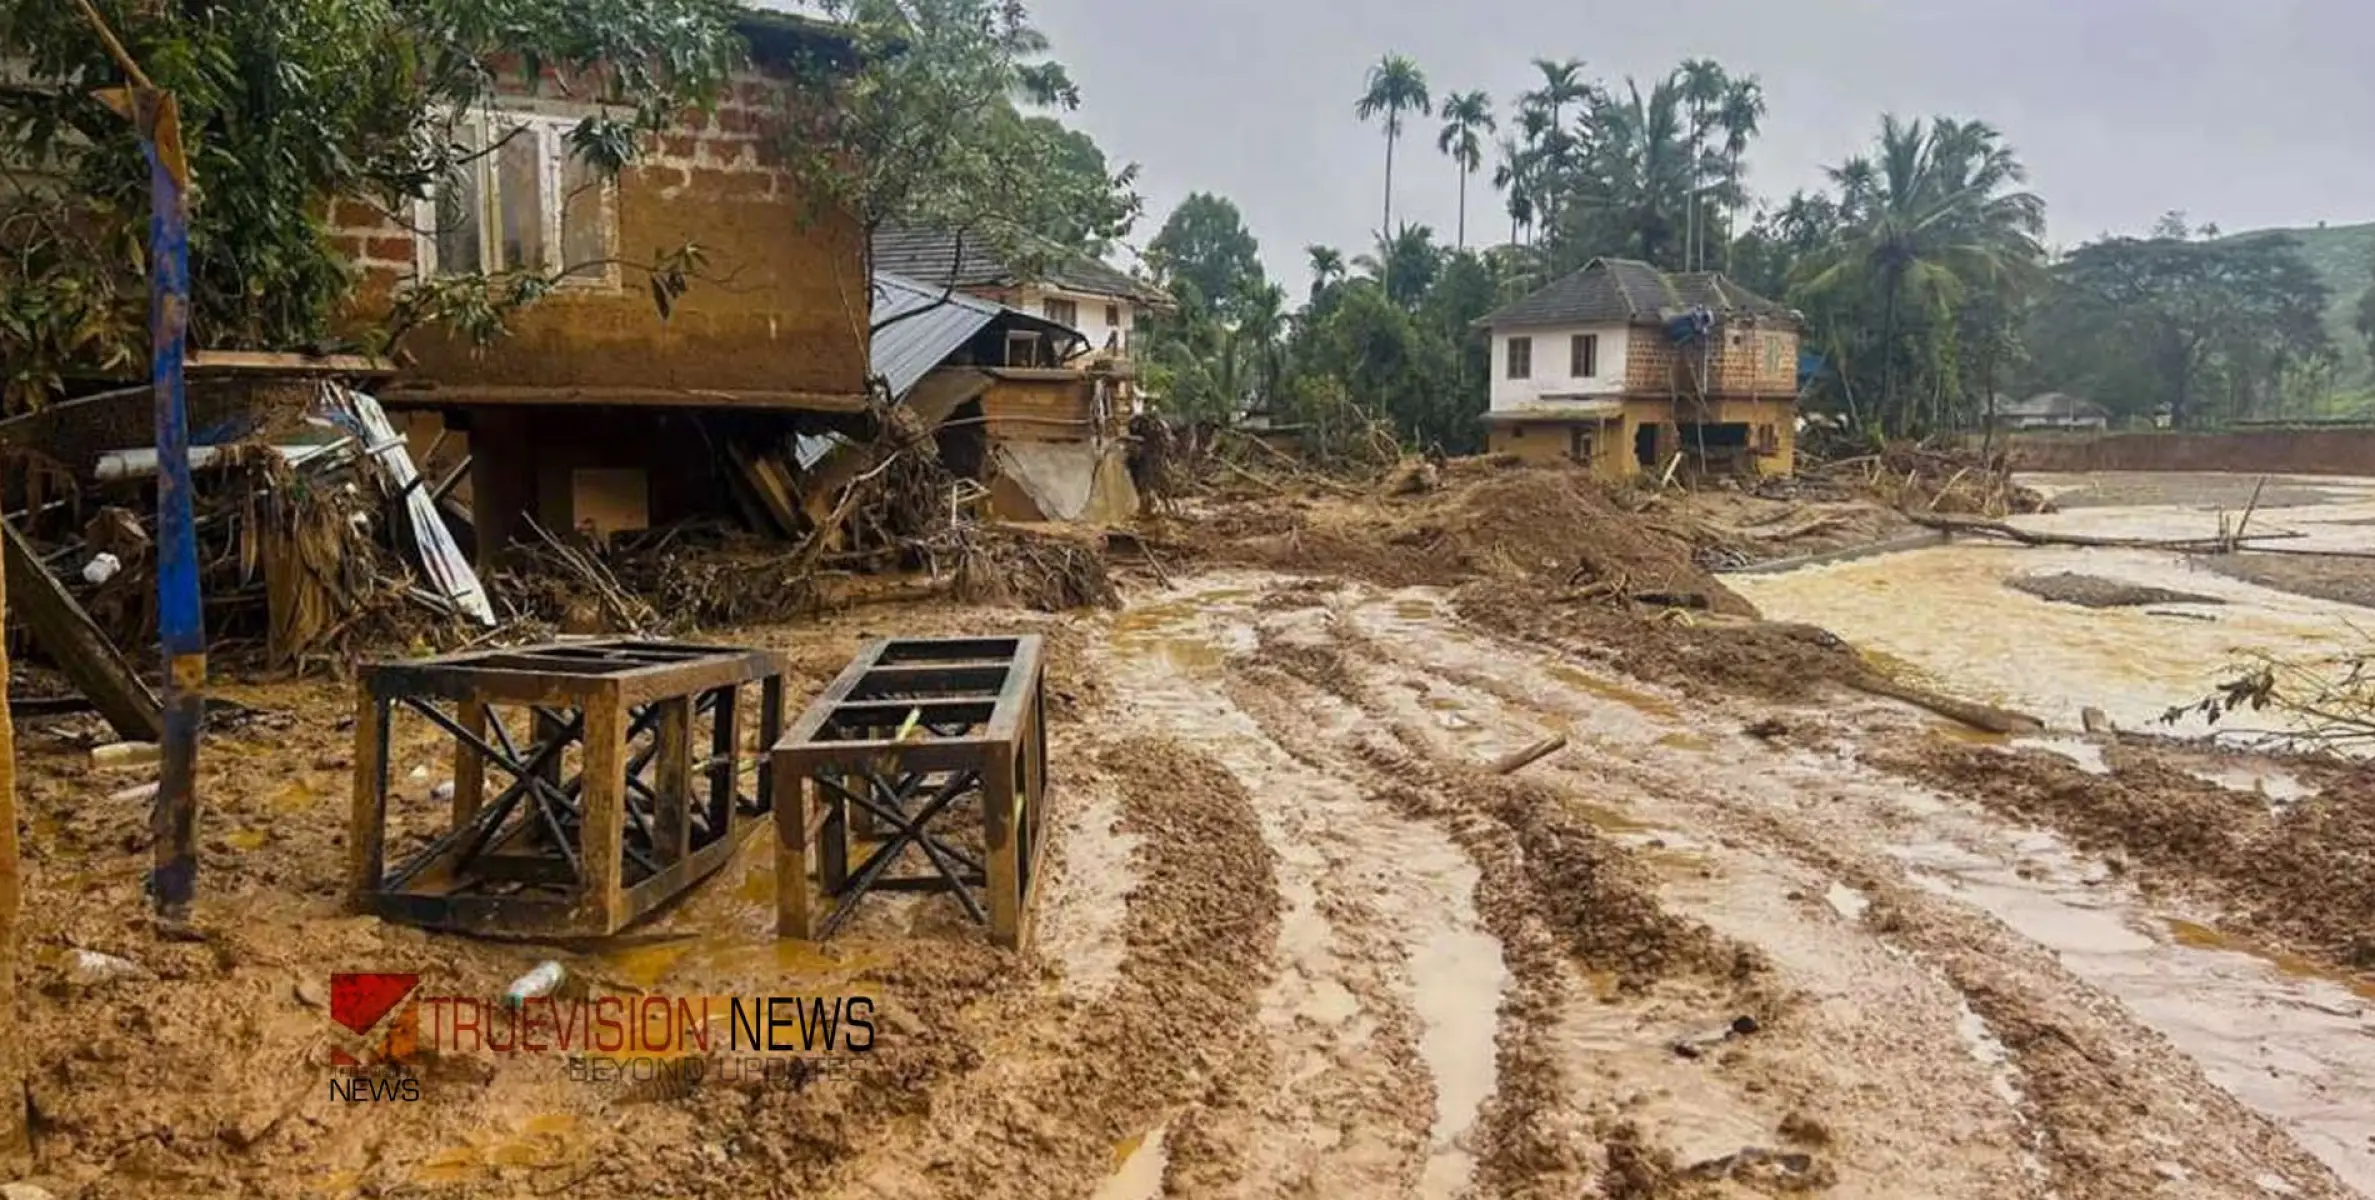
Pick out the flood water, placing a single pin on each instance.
(1946, 613)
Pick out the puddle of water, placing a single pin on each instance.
(1459, 977)
(2206, 937)
(1138, 1166)
(2087, 755)
(2291, 1046)
(1610, 690)
(2278, 787)
(547, 1140)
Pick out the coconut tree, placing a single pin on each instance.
(1562, 84)
(1931, 216)
(1639, 172)
(1466, 117)
(1396, 86)
(1327, 269)
(1514, 176)
(1405, 265)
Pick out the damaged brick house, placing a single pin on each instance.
(1623, 367)
(596, 409)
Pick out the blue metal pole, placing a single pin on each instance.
(173, 880)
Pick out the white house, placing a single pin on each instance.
(1083, 294)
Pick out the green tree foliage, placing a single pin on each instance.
(1467, 117)
(1930, 222)
(2195, 329)
(285, 106)
(1205, 248)
(2364, 322)
(946, 124)
(1396, 86)
(1327, 270)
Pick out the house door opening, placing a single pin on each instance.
(1579, 444)
(1645, 446)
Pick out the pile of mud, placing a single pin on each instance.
(2297, 873)
(1544, 526)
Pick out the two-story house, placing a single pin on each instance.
(1623, 367)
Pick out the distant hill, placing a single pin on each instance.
(2344, 258)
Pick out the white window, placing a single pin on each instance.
(1063, 312)
(521, 201)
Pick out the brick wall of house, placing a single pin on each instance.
(1758, 360)
(784, 307)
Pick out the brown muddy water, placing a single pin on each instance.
(1947, 614)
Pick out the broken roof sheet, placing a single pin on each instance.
(927, 326)
(932, 323)
(934, 255)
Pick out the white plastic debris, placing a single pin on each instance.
(443, 792)
(125, 754)
(87, 967)
(539, 982)
(101, 568)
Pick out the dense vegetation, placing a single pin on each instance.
(1921, 269)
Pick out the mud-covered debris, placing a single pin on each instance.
(2097, 721)
(1789, 1169)
(2094, 591)
(88, 968)
(1768, 729)
(25, 1191)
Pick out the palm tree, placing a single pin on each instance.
(1562, 84)
(1641, 170)
(1929, 218)
(1740, 116)
(1405, 265)
(1327, 269)
(1396, 86)
(1703, 85)
(1465, 116)
(1515, 175)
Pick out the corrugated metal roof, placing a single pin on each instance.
(906, 351)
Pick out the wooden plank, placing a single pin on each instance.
(365, 830)
(773, 486)
(602, 835)
(1004, 844)
(672, 779)
(68, 635)
(470, 766)
(795, 899)
(624, 397)
(264, 362)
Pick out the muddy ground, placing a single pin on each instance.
(1746, 934)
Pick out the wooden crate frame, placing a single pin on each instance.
(634, 845)
(975, 714)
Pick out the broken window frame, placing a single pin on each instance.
(487, 132)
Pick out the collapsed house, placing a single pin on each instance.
(1628, 370)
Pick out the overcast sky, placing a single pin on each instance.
(2243, 112)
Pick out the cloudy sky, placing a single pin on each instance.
(2243, 112)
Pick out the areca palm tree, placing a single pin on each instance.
(1932, 216)
(1741, 116)
(1562, 84)
(1641, 170)
(1466, 116)
(1396, 86)
(1327, 269)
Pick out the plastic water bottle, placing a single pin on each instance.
(539, 982)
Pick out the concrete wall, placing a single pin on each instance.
(1091, 323)
(1550, 379)
(785, 308)
(1553, 442)
(2277, 451)
(1614, 452)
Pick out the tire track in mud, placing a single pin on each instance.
(1373, 1015)
(2114, 1108)
(991, 1081)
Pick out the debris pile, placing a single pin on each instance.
(1914, 477)
(311, 541)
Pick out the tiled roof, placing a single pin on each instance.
(931, 256)
(1626, 291)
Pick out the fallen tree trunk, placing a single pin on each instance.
(2030, 537)
(1983, 717)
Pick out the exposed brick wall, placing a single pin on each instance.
(784, 310)
(1749, 359)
